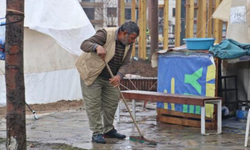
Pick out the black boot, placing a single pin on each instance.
(114, 134)
(98, 139)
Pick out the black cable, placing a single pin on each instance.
(13, 14)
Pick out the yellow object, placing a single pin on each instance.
(209, 110)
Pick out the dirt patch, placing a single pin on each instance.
(49, 107)
(142, 68)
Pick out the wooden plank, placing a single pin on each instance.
(165, 29)
(166, 97)
(186, 122)
(180, 114)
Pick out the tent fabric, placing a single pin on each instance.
(239, 31)
(43, 54)
(53, 33)
(46, 87)
(222, 12)
(63, 20)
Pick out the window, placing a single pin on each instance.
(112, 11)
(88, 0)
(90, 12)
(173, 12)
(161, 10)
(127, 14)
(127, 1)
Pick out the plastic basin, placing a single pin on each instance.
(199, 43)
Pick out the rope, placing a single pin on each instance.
(204, 26)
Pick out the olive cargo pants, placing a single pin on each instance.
(101, 101)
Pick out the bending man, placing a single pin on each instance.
(112, 45)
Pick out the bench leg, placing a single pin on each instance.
(219, 118)
(133, 108)
(203, 117)
(247, 128)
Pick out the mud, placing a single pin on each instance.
(68, 129)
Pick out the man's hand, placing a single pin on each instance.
(115, 81)
(101, 52)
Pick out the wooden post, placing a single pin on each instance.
(198, 20)
(142, 25)
(154, 28)
(14, 77)
(144, 28)
(177, 22)
(210, 21)
(191, 19)
(149, 15)
(187, 18)
(217, 26)
(203, 18)
(201, 21)
(165, 28)
(122, 11)
(133, 5)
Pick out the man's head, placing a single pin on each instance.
(128, 32)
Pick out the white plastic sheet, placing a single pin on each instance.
(48, 87)
(63, 20)
(52, 37)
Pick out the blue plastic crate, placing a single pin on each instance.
(199, 43)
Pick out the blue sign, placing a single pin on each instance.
(187, 74)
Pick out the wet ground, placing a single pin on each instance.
(71, 128)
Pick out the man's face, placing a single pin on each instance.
(128, 39)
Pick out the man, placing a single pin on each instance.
(113, 46)
(147, 33)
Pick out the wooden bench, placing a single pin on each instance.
(135, 95)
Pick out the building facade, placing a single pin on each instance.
(104, 13)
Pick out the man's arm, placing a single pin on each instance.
(90, 44)
(123, 69)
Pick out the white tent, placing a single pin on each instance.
(223, 10)
(239, 31)
(53, 33)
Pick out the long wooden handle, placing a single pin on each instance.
(123, 99)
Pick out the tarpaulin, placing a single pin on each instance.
(53, 33)
(188, 74)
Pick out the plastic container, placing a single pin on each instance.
(199, 43)
(241, 115)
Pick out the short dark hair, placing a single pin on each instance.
(130, 27)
